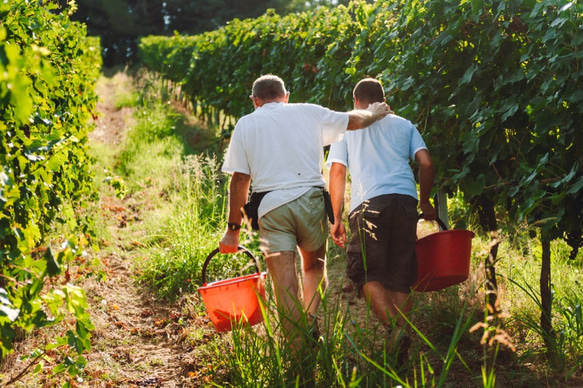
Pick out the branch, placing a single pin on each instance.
(25, 370)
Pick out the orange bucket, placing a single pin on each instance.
(443, 259)
(233, 301)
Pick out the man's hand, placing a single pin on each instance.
(428, 210)
(380, 109)
(238, 189)
(338, 233)
(230, 242)
(362, 118)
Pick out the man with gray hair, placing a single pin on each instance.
(278, 150)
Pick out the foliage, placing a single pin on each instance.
(120, 23)
(493, 86)
(48, 69)
(215, 70)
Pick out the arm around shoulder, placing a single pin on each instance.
(362, 118)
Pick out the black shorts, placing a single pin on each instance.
(382, 243)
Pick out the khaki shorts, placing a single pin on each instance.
(299, 223)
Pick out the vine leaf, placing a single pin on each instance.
(6, 307)
(53, 267)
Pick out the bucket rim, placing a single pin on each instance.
(449, 231)
(231, 281)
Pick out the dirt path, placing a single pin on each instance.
(137, 339)
(137, 342)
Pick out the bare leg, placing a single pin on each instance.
(389, 306)
(378, 298)
(281, 267)
(315, 279)
(404, 303)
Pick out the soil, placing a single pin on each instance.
(138, 340)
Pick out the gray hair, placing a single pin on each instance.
(268, 87)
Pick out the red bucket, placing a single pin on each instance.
(234, 301)
(443, 259)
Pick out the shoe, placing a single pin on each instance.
(403, 344)
(399, 343)
(313, 328)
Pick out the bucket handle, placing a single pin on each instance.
(213, 253)
(440, 222)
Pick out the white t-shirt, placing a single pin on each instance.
(281, 147)
(378, 159)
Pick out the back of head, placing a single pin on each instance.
(368, 91)
(268, 88)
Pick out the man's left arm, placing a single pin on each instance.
(426, 177)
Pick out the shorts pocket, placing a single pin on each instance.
(371, 210)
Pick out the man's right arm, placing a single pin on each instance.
(238, 192)
(362, 118)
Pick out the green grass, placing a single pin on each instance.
(186, 219)
(178, 181)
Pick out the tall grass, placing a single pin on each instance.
(566, 353)
(346, 355)
(187, 196)
(187, 219)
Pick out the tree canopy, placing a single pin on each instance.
(120, 23)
